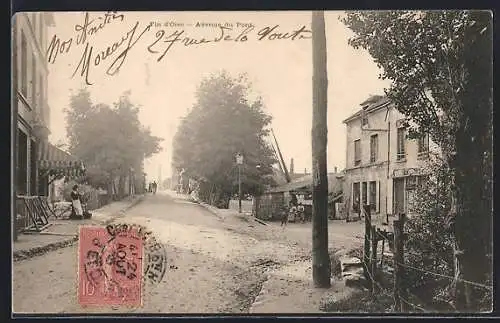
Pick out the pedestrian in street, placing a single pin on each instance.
(293, 211)
(284, 216)
(302, 213)
(76, 202)
(150, 185)
(154, 187)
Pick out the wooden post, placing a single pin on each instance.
(373, 260)
(321, 266)
(366, 253)
(239, 188)
(399, 291)
(382, 253)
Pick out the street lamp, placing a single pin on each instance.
(239, 162)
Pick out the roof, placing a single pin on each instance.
(371, 104)
(280, 179)
(305, 182)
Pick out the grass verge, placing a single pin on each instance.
(361, 302)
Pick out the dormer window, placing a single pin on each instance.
(364, 121)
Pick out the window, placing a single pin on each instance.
(364, 193)
(373, 148)
(364, 121)
(24, 66)
(401, 140)
(355, 197)
(34, 21)
(373, 195)
(41, 95)
(34, 77)
(423, 145)
(357, 152)
(40, 31)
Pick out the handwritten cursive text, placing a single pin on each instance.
(89, 28)
(88, 60)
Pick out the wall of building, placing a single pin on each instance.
(386, 166)
(31, 98)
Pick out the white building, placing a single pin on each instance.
(383, 166)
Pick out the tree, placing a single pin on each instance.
(109, 140)
(439, 63)
(321, 260)
(223, 122)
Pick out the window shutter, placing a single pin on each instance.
(352, 197)
(378, 197)
(368, 193)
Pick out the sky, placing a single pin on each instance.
(280, 71)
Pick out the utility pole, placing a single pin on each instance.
(239, 161)
(321, 267)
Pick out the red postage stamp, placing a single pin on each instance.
(110, 267)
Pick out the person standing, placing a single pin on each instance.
(284, 216)
(76, 202)
(301, 210)
(154, 187)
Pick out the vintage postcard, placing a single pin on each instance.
(252, 162)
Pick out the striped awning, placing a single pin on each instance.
(54, 161)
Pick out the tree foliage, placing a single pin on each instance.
(110, 140)
(222, 123)
(429, 243)
(439, 63)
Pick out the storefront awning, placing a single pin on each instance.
(54, 161)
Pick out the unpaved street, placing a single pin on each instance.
(214, 264)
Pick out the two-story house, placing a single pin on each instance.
(383, 166)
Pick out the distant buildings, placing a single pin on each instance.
(268, 206)
(383, 166)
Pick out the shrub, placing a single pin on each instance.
(429, 243)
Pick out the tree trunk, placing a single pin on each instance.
(321, 265)
(472, 196)
(472, 230)
(121, 186)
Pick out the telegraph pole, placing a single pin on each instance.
(321, 266)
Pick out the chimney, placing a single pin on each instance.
(335, 169)
(291, 166)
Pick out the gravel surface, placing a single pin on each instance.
(214, 265)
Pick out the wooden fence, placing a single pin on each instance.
(373, 268)
(404, 300)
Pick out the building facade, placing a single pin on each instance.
(383, 166)
(30, 74)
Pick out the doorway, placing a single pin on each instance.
(22, 163)
(399, 195)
